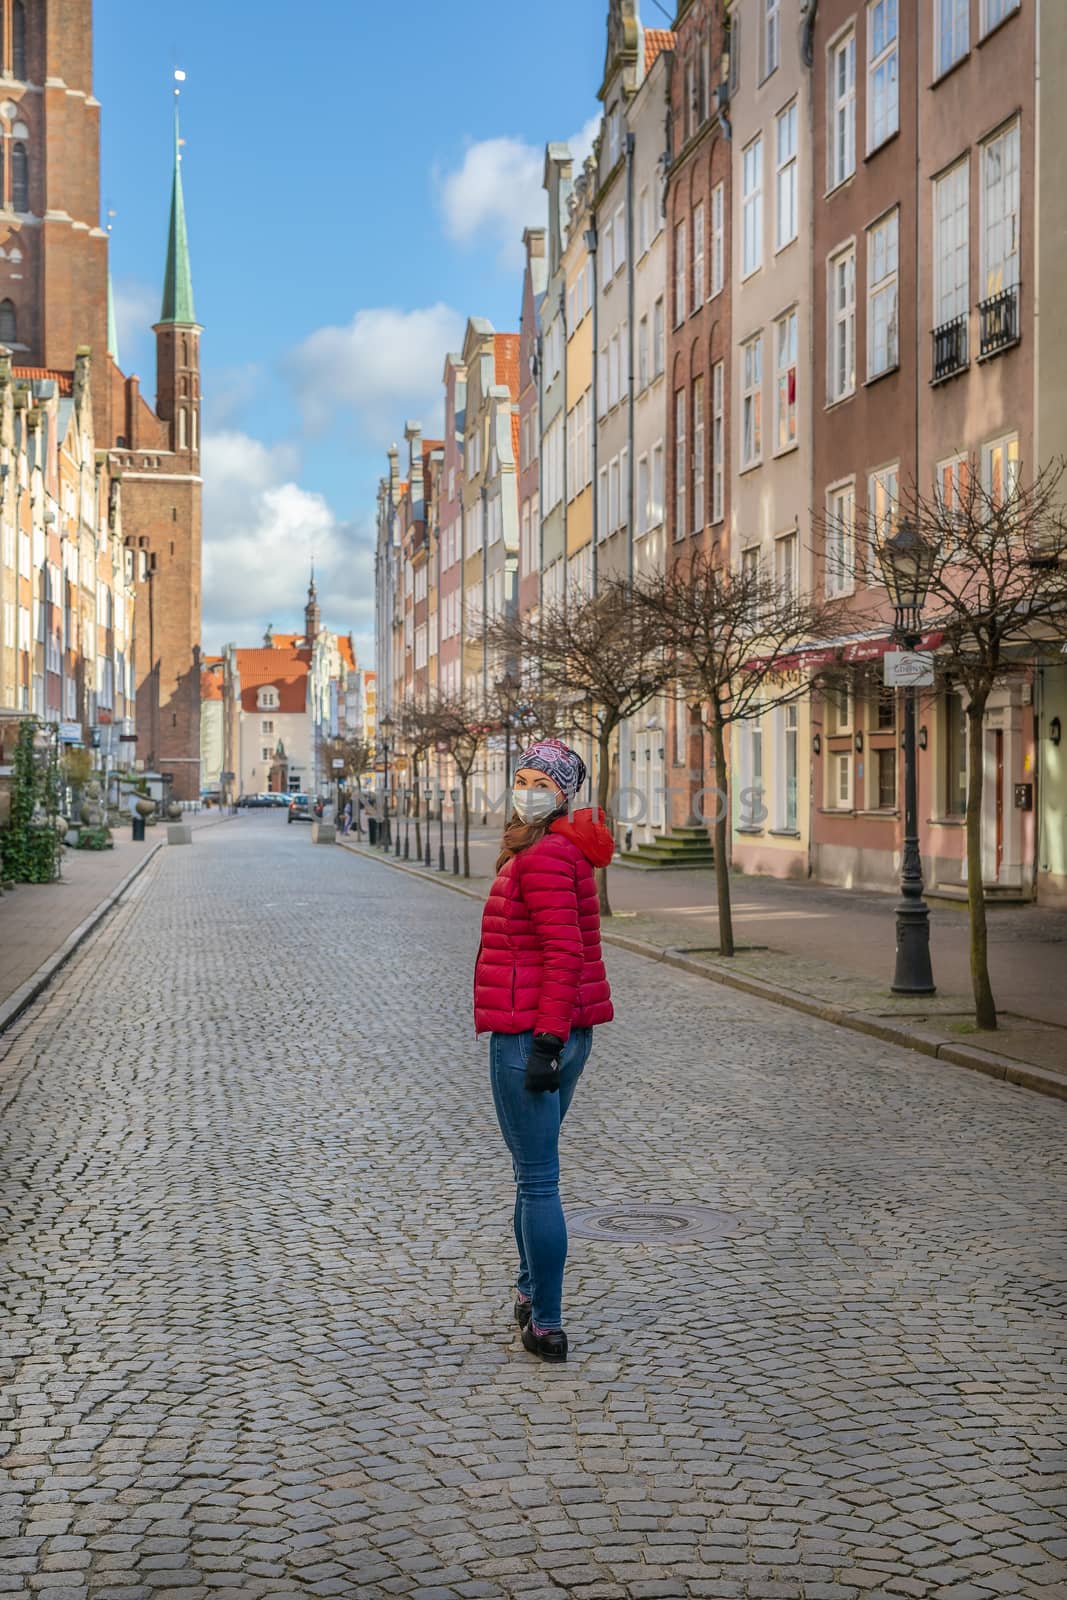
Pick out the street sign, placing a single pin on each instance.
(909, 669)
(337, 763)
(227, 777)
(70, 732)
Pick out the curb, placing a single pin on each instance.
(27, 993)
(988, 1062)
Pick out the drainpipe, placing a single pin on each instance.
(631, 466)
(591, 246)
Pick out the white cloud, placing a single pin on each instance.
(496, 192)
(262, 531)
(385, 365)
(136, 309)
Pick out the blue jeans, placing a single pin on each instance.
(530, 1123)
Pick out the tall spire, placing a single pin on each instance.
(178, 278)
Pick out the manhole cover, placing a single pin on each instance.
(651, 1224)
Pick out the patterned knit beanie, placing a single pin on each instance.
(562, 764)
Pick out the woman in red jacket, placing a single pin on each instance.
(540, 988)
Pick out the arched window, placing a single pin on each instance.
(196, 429)
(20, 178)
(181, 428)
(185, 351)
(8, 323)
(18, 39)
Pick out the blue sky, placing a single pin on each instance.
(356, 180)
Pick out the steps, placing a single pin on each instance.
(676, 851)
(994, 894)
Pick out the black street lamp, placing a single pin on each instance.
(455, 834)
(407, 823)
(426, 826)
(396, 849)
(440, 829)
(907, 563)
(386, 726)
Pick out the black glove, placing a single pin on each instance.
(542, 1064)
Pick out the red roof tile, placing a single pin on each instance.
(347, 650)
(515, 437)
(657, 39)
(286, 669)
(64, 380)
(506, 351)
(210, 686)
(285, 641)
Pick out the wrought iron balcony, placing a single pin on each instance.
(950, 348)
(998, 319)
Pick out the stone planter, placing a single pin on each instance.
(144, 807)
(174, 811)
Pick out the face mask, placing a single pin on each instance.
(534, 805)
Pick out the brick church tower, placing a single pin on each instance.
(55, 297)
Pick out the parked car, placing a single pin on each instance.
(256, 801)
(304, 807)
(280, 800)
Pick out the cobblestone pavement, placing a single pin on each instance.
(256, 1333)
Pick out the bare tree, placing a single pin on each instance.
(598, 660)
(730, 633)
(354, 751)
(417, 729)
(995, 567)
(460, 728)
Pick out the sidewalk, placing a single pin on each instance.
(38, 920)
(830, 952)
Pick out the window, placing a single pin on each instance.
(785, 564)
(642, 353)
(752, 403)
(655, 504)
(954, 773)
(951, 244)
(841, 142)
(266, 727)
(20, 178)
(643, 517)
(883, 112)
(620, 238)
(698, 454)
(882, 328)
(750, 796)
(840, 539)
(644, 223)
(771, 25)
(613, 370)
(613, 494)
(265, 753)
(624, 487)
(679, 273)
(886, 779)
(1000, 213)
(885, 709)
(786, 178)
(993, 11)
(717, 240)
(786, 719)
(8, 323)
(952, 486)
(1000, 468)
(18, 39)
(688, 90)
(607, 251)
(785, 382)
(698, 257)
(883, 488)
(602, 380)
(718, 442)
(602, 504)
(752, 207)
(657, 338)
(842, 324)
(840, 796)
(679, 464)
(951, 33)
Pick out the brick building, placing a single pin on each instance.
(54, 299)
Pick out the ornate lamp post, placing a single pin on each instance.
(426, 826)
(907, 563)
(385, 727)
(440, 828)
(455, 834)
(507, 688)
(407, 823)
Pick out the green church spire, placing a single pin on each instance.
(178, 278)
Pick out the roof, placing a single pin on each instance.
(286, 669)
(657, 39)
(177, 277)
(285, 641)
(64, 381)
(506, 353)
(430, 445)
(515, 437)
(210, 686)
(347, 650)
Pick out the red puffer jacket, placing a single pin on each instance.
(539, 963)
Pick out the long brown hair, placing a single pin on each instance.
(519, 835)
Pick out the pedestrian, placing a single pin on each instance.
(346, 816)
(539, 990)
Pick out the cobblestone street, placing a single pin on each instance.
(256, 1332)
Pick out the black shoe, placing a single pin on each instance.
(523, 1311)
(550, 1346)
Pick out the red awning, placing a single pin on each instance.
(846, 653)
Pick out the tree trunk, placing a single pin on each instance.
(722, 836)
(466, 825)
(985, 1010)
(603, 782)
